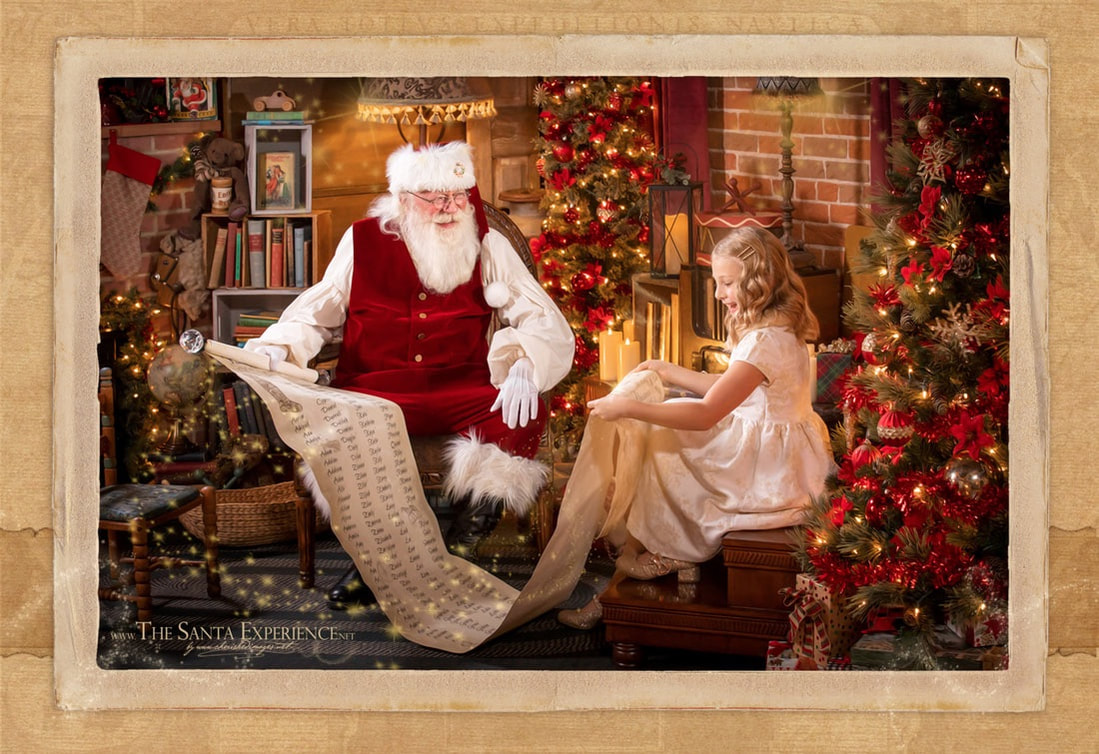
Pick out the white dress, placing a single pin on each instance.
(757, 468)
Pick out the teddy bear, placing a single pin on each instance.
(211, 157)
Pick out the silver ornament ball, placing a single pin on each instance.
(967, 476)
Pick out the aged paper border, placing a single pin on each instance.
(80, 684)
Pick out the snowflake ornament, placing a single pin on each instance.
(936, 156)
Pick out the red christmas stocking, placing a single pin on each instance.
(126, 185)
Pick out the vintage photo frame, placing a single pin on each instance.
(81, 684)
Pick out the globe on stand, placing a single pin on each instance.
(180, 381)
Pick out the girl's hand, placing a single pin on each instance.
(610, 407)
(655, 365)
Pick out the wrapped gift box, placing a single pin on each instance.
(820, 627)
(833, 361)
(946, 651)
(780, 656)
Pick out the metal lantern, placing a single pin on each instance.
(673, 235)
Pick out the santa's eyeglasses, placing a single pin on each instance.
(460, 199)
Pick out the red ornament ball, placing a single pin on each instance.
(876, 508)
(970, 179)
(571, 215)
(563, 152)
(895, 428)
(582, 282)
(864, 454)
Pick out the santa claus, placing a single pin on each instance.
(413, 289)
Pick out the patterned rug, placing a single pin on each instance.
(265, 620)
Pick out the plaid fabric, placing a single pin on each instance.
(124, 502)
(830, 367)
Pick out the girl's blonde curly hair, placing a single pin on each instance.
(769, 292)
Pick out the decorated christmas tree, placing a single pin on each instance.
(597, 161)
(914, 524)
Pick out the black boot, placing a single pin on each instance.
(472, 524)
(349, 590)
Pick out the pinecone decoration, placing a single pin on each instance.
(964, 265)
(908, 322)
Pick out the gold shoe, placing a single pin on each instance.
(584, 619)
(653, 566)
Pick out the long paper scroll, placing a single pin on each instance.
(358, 449)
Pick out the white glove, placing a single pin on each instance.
(275, 354)
(518, 396)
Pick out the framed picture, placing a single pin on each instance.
(192, 99)
(280, 180)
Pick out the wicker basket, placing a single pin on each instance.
(251, 516)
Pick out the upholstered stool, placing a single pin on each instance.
(140, 508)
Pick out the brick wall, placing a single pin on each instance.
(831, 156)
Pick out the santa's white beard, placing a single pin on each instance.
(444, 257)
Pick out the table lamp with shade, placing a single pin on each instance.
(787, 90)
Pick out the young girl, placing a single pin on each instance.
(750, 452)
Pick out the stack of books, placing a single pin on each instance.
(252, 325)
(241, 412)
(274, 117)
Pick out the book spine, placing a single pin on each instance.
(232, 414)
(232, 257)
(274, 439)
(257, 410)
(256, 267)
(219, 422)
(238, 259)
(255, 320)
(299, 256)
(278, 250)
(244, 406)
(310, 264)
(217, 264)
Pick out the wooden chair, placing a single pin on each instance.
(736, 608)
(137, 509)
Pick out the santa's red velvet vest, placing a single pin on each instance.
(400, 336)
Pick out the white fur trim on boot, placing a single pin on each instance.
(485, 472)
(309, 481)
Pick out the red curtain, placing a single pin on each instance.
(681, 123)
(885, 110)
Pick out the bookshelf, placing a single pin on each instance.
(230, 303)
(316, 227)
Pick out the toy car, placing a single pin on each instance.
(277, 100)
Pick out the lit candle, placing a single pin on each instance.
(609, 343)
(627, 329)
(677, 242)
(629, 356)
(812, 372)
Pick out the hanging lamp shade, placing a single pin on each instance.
(422, 101)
